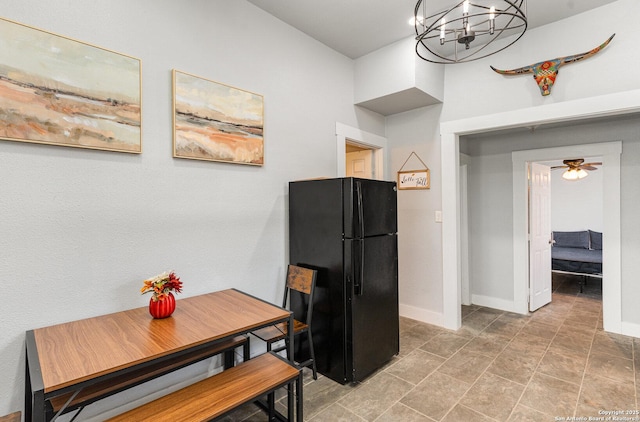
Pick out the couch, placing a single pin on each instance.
(577, 252)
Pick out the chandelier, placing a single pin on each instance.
(470, 30)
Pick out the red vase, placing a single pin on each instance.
(162, 308)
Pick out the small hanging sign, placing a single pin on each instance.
(414, 179)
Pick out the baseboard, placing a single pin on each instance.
(422, 315)
(436, 318)
(495, 303)
(630, 329)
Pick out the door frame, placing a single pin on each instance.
(465, 283)
(377, 143)
(601, 106)
(611, 290)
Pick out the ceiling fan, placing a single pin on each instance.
(576, 168)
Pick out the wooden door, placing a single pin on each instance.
(358, 164)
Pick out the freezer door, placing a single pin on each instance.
(370, 207)
(373, 334)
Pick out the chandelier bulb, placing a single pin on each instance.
(492, 19)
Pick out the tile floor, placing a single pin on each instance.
(555, 364)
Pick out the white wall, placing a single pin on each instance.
(576, 205)
(81, 229)
(394, 79)
(473, 89)
(384, 71)
(419, 235)
(490, 226)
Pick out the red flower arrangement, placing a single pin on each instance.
(161, 285)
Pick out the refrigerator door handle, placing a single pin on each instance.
(358, 284)
(360, 208)
(361, 268)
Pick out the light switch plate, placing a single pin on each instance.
(438, 216)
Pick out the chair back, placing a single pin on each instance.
(302, 280)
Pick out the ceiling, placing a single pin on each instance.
(358, 27)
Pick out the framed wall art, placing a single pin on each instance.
(59, 91)
(216, 122)
(414, 179)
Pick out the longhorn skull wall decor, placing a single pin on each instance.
(546, 72)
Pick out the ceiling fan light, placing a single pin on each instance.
(570, 175)
(574, 174)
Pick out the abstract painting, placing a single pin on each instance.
(216, 122)
(58, 91)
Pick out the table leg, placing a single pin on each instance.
(34, 404)
(291, 336)
(28, 394)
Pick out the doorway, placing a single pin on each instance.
(561, 206)
(577, 205)
(359, 161)
(610, 153)
(347, 135)
(498, 193)
(619, 103)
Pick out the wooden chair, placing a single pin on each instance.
(301, 280)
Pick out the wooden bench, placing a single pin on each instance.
(220, 394)
(115, 385)
(14, 417)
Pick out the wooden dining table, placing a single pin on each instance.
(69, 357)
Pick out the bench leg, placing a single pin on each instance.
(299, 399)
(290, 400)
(246, 350)
(295, 402)
(230, 355)
(229, 359)
(271, 405)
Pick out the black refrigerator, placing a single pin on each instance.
(346, 228)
